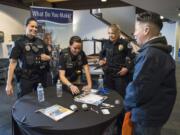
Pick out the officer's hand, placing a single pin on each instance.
(102, 62)
(45, 57)
(74, 89)
(123, 71)
(86, 88)
(9, 89)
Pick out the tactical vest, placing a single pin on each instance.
(70, 64)
(32, 52)
(29, 62)
(73, 67)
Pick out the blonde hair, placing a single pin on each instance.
(115, 28)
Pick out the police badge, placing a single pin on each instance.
(120, 47)
(27, 47)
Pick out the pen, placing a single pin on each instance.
(107, 107)
(96, 111)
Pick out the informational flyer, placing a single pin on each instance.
(56, 112)
(91, 98)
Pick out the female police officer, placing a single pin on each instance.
(115, 56)
(72, 60)
(116, 59)
(33, 57)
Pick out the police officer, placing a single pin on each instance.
(53, 75)
(116, 60)
(48, 41)
(72, 61)
(32, 57)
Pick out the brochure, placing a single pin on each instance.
(90, 98)
(56, 112)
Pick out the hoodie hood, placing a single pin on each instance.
(159, 43)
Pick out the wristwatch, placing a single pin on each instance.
(69, 85)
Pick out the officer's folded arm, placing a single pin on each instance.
(74, 89)
(45, 57)
(123, 71)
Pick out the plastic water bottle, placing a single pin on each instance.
(40, 93)
(59, 89)
(100, 83)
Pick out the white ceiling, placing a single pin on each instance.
(167, 8)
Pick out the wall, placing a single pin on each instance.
(12, 20)
(172, 33)
(177, 39)
(169, 31)
(87, 27)
(124, 16)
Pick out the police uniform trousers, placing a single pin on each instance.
(27, 85)
(117, 83)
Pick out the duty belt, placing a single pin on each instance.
(112, 71)
(26, 73)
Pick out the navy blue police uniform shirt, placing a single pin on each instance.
(21, 49)
(116, 53)
(71, 63)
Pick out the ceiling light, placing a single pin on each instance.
(162, 17)
(103, 0)
(179, 14)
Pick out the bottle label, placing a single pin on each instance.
(59, 90)
(40, 92)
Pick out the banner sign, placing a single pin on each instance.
(61, 16)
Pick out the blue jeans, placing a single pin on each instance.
(140, 130)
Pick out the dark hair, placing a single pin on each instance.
(75, 39)
(149, 17)
(29, 20)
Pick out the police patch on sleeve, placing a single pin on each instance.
(120, 47)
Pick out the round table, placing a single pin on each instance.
(26, 119)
